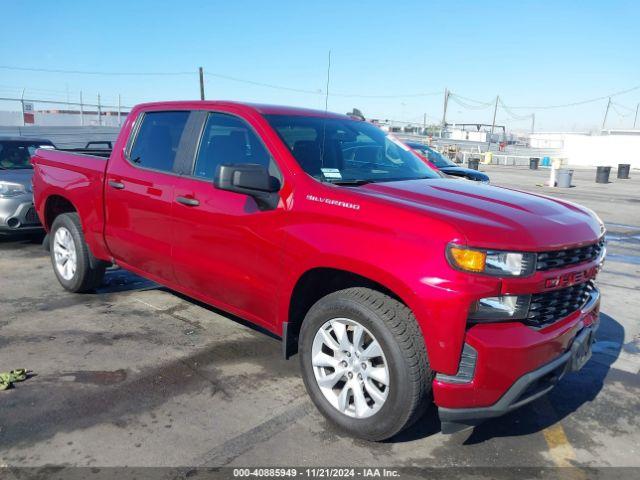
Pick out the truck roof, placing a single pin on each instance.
(262, 109)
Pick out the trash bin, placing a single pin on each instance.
(546, 161)
(564, 177)
(533, 163)
(602, 174)
(623, 170)
(473, 163)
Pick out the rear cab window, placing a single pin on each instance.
(156, 143)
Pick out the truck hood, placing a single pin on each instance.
(494, 217)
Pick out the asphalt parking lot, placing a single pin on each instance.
(137, 375)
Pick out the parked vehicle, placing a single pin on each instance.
(393, 284)
(17, 213)
(445, 165)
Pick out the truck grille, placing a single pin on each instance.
(563, 258)
(548, 307)
(31, 216)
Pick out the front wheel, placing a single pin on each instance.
(70, 255)
(364, 362)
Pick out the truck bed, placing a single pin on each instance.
(79, 178)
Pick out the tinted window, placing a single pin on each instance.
(334, 149)
(15, 155)
(229, 140)
(158, 138)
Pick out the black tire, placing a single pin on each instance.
(86, 276)
(394, 327)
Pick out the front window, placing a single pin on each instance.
(341, 150)
(230, 140)
(17, 155)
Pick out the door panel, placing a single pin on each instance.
(228, 250)
(139, 195)
(225, 248)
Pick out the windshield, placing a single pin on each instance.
(17, 155)
(434, 157)
(341, 150)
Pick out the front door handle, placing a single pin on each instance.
(189, 202)
(116, 185)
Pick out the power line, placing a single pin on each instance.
(456, 98)
(216, 75)
(489, 103)
(573, 104)
(624, 106)
(623, 115)
(514, 116)
(315, 92)
(465, 102)
(94, 72)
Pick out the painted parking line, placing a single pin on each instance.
(561, 451)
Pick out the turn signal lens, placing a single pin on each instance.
(497, 263)
(470, 260)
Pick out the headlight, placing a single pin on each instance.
(8, 189)
(491, 262)
(505, 308)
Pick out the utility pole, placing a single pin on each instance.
(99, 111)
(636, 117)
(444, 112)
(22, 103)
(606, 112)
(424, 124)
(201, 83)
(119, 106)
(493, 124)
(533, 122)
(81, 110)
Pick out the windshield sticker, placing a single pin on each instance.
(331, 201)
(331, 173)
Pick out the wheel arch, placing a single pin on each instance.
(54, 206)
(317, 282)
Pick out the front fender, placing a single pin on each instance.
(413, 267)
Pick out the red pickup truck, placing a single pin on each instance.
(396, 286)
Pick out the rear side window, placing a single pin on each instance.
(156, 144)
(229, 140)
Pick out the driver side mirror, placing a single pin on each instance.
(249, 179)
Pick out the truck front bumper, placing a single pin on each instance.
(511, 369)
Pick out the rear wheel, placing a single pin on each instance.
(70, 255)
(364, 362)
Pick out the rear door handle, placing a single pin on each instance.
(116, 185)
(189, 202)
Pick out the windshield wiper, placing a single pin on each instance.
(350, 182)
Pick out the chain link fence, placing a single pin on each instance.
(30, 111)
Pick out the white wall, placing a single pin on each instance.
(608, 150)
(591, 150)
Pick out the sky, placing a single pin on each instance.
(392, 60)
